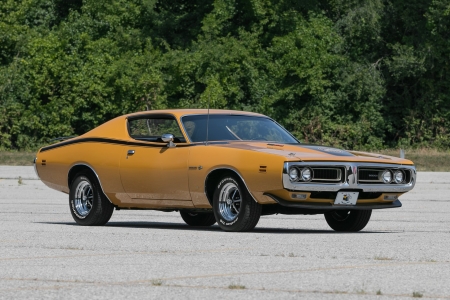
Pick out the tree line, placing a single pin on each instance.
(355, 74)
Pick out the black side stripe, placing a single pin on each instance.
(108, 141)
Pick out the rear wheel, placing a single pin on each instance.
(233, 206)
(198, 219)
(88, 205)
(348, 220)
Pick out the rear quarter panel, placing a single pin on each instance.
(103, 158)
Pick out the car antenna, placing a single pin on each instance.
(207, 120)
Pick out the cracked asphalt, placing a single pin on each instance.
(402, 252)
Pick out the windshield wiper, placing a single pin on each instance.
(234, 134)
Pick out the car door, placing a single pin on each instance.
(148, 168)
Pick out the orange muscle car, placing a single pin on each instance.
(222, 166)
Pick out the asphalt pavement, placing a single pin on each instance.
(402, 252)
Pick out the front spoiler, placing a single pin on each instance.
(328, 207)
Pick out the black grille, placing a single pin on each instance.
(324, 174)
(370, 175)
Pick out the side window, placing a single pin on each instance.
(152, 128)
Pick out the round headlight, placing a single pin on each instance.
(398, 176)
(293, 174)
(386, 176)
(306, 174)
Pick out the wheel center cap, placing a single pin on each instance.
(229, 201)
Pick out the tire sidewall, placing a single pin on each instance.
(198, 219)
(355, 220)
(221, 221)
(77, 217)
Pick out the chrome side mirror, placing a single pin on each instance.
(168, 138)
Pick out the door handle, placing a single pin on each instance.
(130, 152)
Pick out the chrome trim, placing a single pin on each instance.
(224, 168)
(96, 175)
(35, 168)
(350, 178)
(380, 171)
(150, 113)
(313, 176)
(168, 138)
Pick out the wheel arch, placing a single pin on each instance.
(213, 177)
(77, 168)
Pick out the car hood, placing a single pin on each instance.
(305, 152)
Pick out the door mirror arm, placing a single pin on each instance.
(168, 138)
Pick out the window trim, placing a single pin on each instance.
(156, 116)
(188, 138)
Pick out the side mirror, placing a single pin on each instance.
(168, 138)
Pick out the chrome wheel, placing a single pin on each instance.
(83, 198)
(230, 201)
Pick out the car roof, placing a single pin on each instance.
(184, 112)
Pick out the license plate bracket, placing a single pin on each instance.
(346, 198)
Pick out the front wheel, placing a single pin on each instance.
(88, 205)
(348, 220)
(233, 206)
(198, 219)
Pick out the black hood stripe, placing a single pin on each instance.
(328, 150)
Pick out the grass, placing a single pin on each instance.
(16, 158)
(424, 159)
(417, 295)
(157, 282)
(430, 160)
(236, 287)
(382, 258)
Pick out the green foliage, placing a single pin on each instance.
(355, 74)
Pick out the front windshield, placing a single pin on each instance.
(235, 127)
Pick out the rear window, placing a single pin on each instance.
(152, 128)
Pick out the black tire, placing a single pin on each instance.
(88, 205)
(234, 208)
(198, 219)
(348, 220)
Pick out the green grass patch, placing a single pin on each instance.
(382, 258)
(236, 287)
(16, 158)
(417, 295)
(429, 160)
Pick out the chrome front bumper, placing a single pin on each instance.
(350, 181)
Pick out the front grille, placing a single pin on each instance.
(322, 174)
(327, 174)
(368, 175)
(335, 176)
